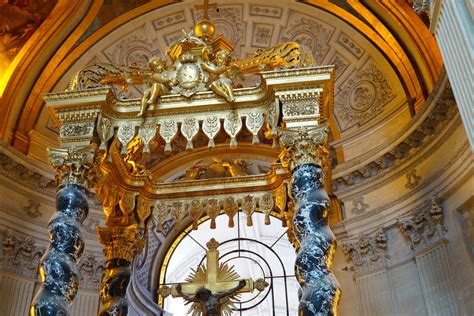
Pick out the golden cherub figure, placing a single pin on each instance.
(156, 83)
(223, 85)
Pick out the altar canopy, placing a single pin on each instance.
(196, 102)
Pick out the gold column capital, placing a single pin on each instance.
(121, 242)
(73, 165)
(303, 145)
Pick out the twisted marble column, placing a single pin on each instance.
(58, 270)
(320, 291)
(121, 244)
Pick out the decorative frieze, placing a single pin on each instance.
(424, 226)
(368, 253)
(430, 125)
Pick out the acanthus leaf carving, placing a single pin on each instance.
(302, 145)
(72, 165)
(368, 252)
(424, 225)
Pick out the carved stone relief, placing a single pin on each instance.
(424, 226)
(166, 21)
(412, 179)
(310, 32)
(262, 35)
(268, 11)
(136, 48)
(20, 255)
(359, 206)
(440, 115)
(362, 96)
(368, 253)
(32, 209)
(229, 22)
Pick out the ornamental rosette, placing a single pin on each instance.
(302, 146)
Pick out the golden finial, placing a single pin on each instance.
(205, 28)
(212, 244)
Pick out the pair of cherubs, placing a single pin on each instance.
(159, 80)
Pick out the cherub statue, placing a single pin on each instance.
(223, 85)
(156, 83)
(210, 304)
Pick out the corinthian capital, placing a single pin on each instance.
(303, 145)
(121, 242)
(72, 165)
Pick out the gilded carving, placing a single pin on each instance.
(231, 207)
(105, 131)
(155, 85)
(211, 126)
(213, 209)
(160, 212)
(168, 130)
(121, 242)
(125, 134)
(189, 129)
(254, 123)
(265, 205)
(232, 126)
(147, 132)
(301, 146)
(196, 210)
(177, 213)
(249, 205)
(72, 165)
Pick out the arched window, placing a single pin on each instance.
(258, 251)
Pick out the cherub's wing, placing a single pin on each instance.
(99, 75)
(235, 72)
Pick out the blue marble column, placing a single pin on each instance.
(58, 269)
(320, 290)
(302, 153)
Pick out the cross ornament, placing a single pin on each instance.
(220, 279)
(205, 7)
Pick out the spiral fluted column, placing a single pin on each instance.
(121, 245)
(302, 151)
(58, 270)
